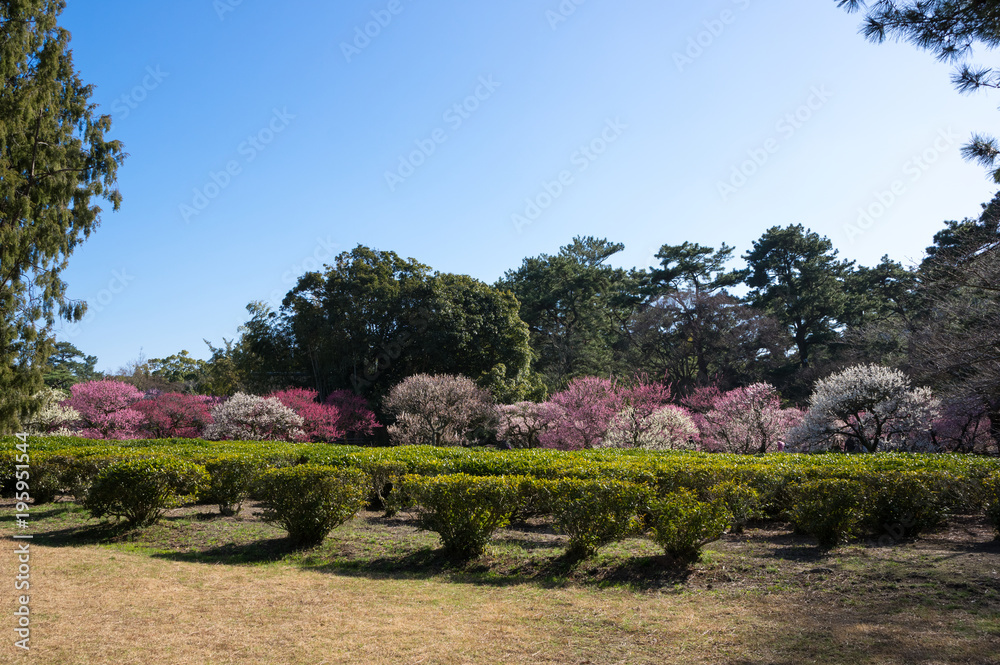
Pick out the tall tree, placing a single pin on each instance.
(577, 308)
(68, 366)
(695, 267)
(949, 29)
(796, 277)
(54, 161)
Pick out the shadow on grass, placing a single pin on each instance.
(259, 551)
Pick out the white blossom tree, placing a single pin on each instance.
(667, 428)
(866, 408)
(245, 417)
(439, 410)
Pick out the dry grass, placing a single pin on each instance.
(766, 598)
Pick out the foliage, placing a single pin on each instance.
(991, 485)
(588, 406)
(174, 415)
(106, 409)
(320, 422)
(795, 276)
(682, 525)
(310, 501)
(251, 418)
(742, 501)
(62, 369)
(140, 491)
(903, 504)
(464, 510)
(830, 509)
(54, 160)
(593, 513)
(441, 410)
(231, 480)
(749, 420)
(866, 408)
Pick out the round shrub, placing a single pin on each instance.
(902, 504)
(140, 491)
(231, 479)
(743, 502)
(464, 510)
(829, 509)
(593, 513)
(310, 501)
(681, 524)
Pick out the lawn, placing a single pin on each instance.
(201, 588)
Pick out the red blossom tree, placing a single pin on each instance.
(169, 415)
(354, 416)
(320, 422)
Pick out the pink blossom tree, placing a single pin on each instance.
(168, 415)
(320, 422)
(354, 417)
(589, 405)
(523, 423)
(439, 410)
(106, 409)
(634, 425)
(750, 420)
(963, 425)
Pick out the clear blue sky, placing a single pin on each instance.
(642, 108)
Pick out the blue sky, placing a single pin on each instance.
(266, 138)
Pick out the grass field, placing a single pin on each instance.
(200, 588)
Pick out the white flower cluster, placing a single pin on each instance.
(866, 408)
(667, 428)
(53, 418)
(251, 418)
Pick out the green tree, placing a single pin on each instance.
(796, 277)
(577, 309)
(949, 29)
(54, 161)
(180, 369)
(68, 366)
(695, 267)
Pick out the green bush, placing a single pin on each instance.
(902, 504)
(828, 509)
(593, 513)
(140, 491)
(743, 502)
(309, 501)
(682, 525)
(464, 510)
(991, 500)
(231, 480)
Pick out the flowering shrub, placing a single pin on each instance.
(749, 420)
(106, 409)
(54, 417)
(866, 408)
(441, 410)
(354, 416)
(522, 424)
(588, 406)
(320, 422)
(250, 418)
(168, 415)
(667, 428)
